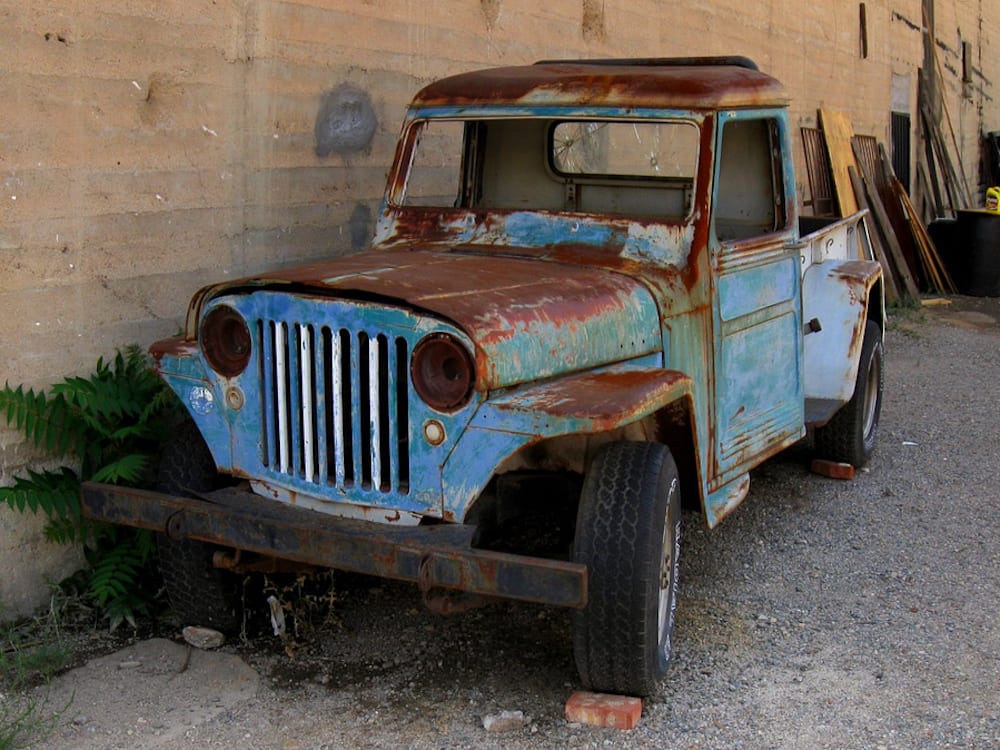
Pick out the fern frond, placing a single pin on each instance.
(47, 422)
(56, 493)
(125, 469)
(115, 572)
(124, 609)
(113, 421)
(63, 531)
(145, 543)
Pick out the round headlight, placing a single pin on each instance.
(225, 340)
(442, 372)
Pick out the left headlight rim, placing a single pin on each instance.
(225, 340)
(461, 396)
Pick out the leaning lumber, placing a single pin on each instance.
(837, 133)
(929, 254)
(895, 252)
(888, 275)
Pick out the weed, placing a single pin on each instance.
(22, 722)
(112, 424)
(31, 653)
(307, 599)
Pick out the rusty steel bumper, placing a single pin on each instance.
(434, 557)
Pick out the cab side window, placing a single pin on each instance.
(749, 199)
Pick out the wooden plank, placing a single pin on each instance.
(938, 269)
(951, 182)
(865, 149)
(931, 191)
(837, 133)
(893, 207)
(964, 183)
(926, 251)
(932, 173)
(889, 276)
(895, 252)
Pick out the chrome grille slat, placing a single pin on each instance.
(338, 408)
(281, 397)
(355, 467)
(307, 401)
(334, 411)
(294, 396)
(374, 409)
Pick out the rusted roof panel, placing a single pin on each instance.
(602, 85)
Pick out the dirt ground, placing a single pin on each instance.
(822, 614)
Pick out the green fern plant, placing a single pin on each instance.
(112, 423)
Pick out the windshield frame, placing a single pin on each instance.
(416, 120)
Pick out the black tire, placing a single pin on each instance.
(851, 435)
(628, 535)
(199, 593)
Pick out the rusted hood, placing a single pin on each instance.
(529, 318)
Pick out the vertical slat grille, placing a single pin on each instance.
(335, 406)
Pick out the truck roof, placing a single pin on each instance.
(659, 83)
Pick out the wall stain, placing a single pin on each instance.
(594, 29)
(346, 121)
(491, 12)
(360, 226)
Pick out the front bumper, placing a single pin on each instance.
(438, 556)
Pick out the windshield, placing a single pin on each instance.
(640, 168)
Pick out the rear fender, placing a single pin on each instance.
(842, 297)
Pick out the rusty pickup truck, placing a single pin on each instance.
(588, 296)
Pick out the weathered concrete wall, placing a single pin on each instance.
(970, 107)
(149, 147)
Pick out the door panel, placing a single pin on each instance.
(756, 310)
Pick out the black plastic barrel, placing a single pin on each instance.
(980, 233)
(950, 245)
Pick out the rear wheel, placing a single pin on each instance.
(628, 535)
(851, 435)
(199, 593)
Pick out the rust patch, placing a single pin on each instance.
(178, 346)
(579, 84)
(604, 399)
(859, 271)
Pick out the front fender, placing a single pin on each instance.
(586, 403)
(178, 363)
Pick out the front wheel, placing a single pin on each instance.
(851, 435)
(199, 593)
(628, 536)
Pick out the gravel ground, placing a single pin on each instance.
(822, 614)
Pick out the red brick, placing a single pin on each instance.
(603, 710)
(832, 469)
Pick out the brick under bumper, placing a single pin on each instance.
(438, 556)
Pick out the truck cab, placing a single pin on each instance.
(587, 298)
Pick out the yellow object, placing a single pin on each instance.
(993, 199)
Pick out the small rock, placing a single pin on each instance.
(79, 720)
(203, 637)
(505, 721)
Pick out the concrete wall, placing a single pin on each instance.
(147, 148)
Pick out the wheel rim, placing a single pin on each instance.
(871, 395)
(667, 599)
